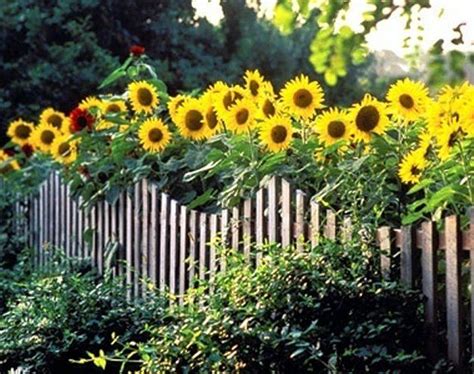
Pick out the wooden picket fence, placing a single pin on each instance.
(148, 235)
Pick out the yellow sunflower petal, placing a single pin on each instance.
(143, 96)
(411, 167)
(368, 117)
(241, 116)
(276, 133)
(302, 97)
(43, 137)
(20, 131)
(190, 120)
(64, 150)
(332, 126)
(407, 99)
(154, 135)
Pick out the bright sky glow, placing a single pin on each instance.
(390, 34)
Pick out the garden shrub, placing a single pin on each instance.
(316, 311)
(63, 313)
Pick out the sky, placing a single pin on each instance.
(390, 34)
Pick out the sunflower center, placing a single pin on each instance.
(64, 149)
(22, 132)
(55, 121)
(302, 98)
(455, 116)
(406, 101)
(144, 96)
(279, 133)
(82, 121)
(155, 135)
(367, 118)
(47, 137)
(336, 129)
(452, 139)
(415, 171)
(242, 116)
(194, 120)
(230, 98)
(211, 119)
(268, 108)
(254, 86)
(113, 108)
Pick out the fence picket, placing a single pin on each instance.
(385, 234)
(212, 249)
(429, 269)
(183, 245)
(100, 236)
(129, 246)
(407, 271)
(259, 223)
(300, 220)
(235, 227)
(286, 216)
(137, 201)
(330, 227)
(163, 240)
(247, 228)
(121, 234)
(154, 235)
(315, 223)
(145, 235)
(471, 254)
(224, 236)
(57, 205)
(272, 210)
(193, 240)
(174, 221)
(202, 244)
(453, 289)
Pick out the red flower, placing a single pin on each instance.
(81, 119)
(27, 149)
(9, 151)
(137, 50)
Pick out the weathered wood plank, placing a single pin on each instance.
(57, 206)
(202, 244)
(330, 229)
(286, 216)
(347, 229)
(129, 246)
(224, 236)
(193, 242)
(137, 201)
(121, 233)
(80, 229)
(212, 248)
(429, 271)
(154, 237)
(163, 240)
(272, 210)
(145, 235)
(315, 223)
(453, 290)
(68, 233)
(100, 237)
(407, 257)
(246, 228)
(235, 227)
(300, 220)
(385, 239)
(173, 243)
(183, 246)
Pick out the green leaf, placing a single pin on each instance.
(202, 199)
(284, 17)
(115, 75)
(424, 183)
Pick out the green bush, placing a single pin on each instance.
(60, 315)
(316, 311)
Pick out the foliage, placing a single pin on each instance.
(60, 314)
(13, 190)
(301, 312)
(336, 48)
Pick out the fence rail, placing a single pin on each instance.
(147, 234)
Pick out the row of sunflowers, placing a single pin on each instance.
(429, 139)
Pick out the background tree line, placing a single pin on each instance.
(54, 53)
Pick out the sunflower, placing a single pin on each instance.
(154, 135)
(447, 94)
(210, 118)
(332, 126)
(173, 105)
(43, 137)
(226, 98)
(425, 143)
(190, 120)
(104, 125)
(466, 119)
(64, 150)
(253, 83)
(143, 96)
(302, 97)
(90, 103)
(407, 99)
(240, 117)
(447, 138)
(113, 106)
(368, 117)
(19, 131)
(80, 119)
(411, 167)
(7, 164)
(276, 133)
(54, 118)
(437, 116)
